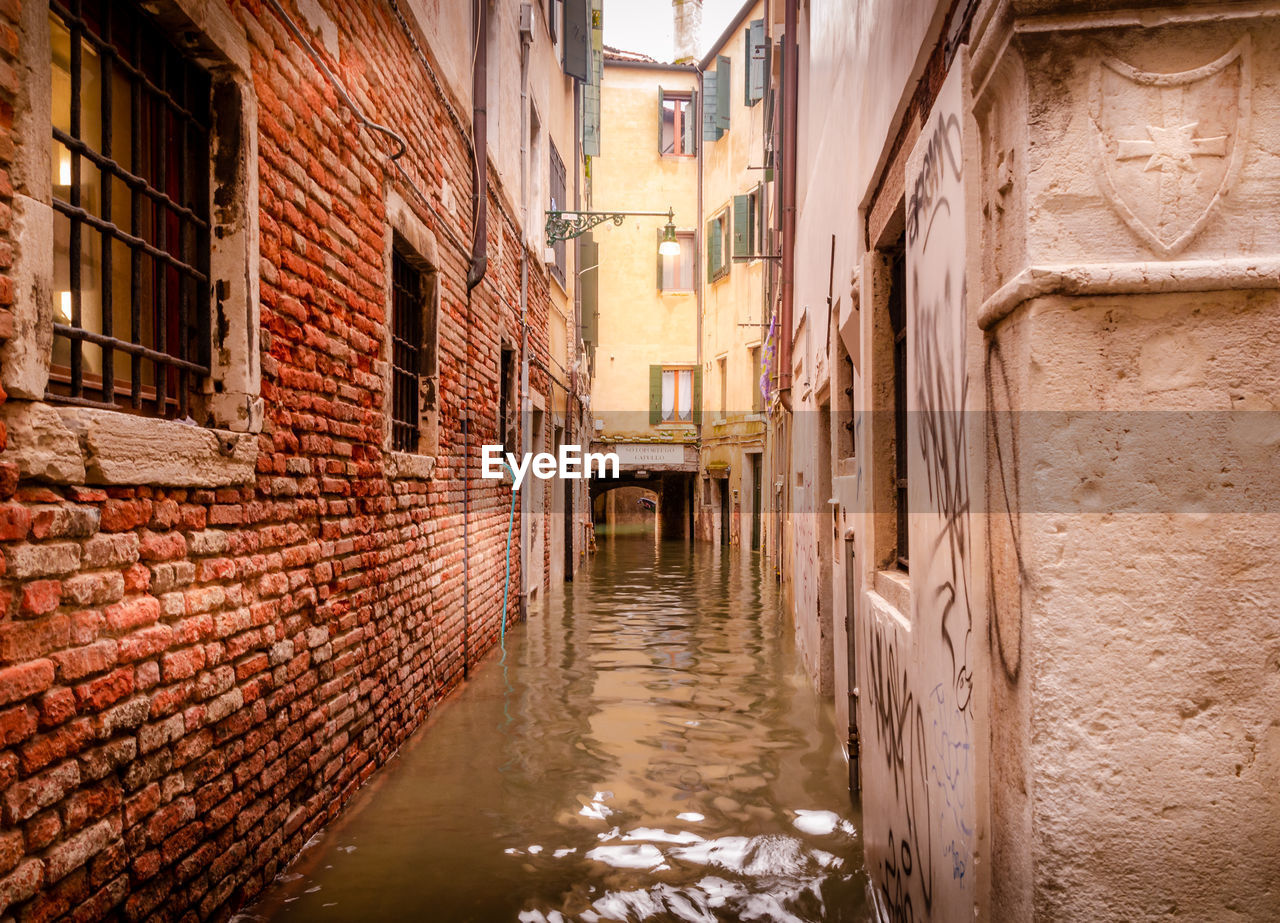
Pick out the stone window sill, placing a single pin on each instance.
(408, 465)
(894, 587)
(74, 445)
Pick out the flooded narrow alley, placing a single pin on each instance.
(648, 749)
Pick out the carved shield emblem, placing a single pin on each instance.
(1170, 145)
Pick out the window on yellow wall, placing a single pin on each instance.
(676, 134)
(676, 272)
(718, 246)
(675, 394)
(723, 368)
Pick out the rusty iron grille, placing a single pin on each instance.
(406, 352)
(130, 176)
(898, 323)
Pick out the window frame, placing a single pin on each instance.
(683, 236)
(557, 181)
(718, 229)
(409, 238)
(896, 307)
(688, 99)
(676, 371)
(222, 449)
(168, 244)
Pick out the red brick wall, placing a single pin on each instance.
(193, 682)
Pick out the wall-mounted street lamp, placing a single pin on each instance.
(568, 225)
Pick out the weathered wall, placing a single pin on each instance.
(1133, 489)
(194, 680)
(639, 324)
(733, 307)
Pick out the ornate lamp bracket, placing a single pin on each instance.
(566, 225)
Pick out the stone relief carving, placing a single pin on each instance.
(1170, 146)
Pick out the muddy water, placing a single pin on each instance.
(648, 751)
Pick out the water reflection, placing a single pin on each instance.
(648, 751)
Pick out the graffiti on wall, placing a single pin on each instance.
(921, 829)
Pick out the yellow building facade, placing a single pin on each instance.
(647, 391)
(735, 197)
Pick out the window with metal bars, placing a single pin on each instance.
(898, 324)
(408, 290)
(130, 176)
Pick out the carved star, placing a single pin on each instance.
(1172, 148)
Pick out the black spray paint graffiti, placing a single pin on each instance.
(899, 726)
(926, 203)
(1006, 574)
(944, 445)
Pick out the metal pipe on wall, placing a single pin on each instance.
(790, 105)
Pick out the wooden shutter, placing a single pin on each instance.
(661, 261)
(577, 39)
(589, 285)
(724, 82)
(758, 62)
(661, 116)
(689, 132)
(591, 89)
(697, 396)
(655, 395)
(713, 250)
(742, 225)
(709, 97)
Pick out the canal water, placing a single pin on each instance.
(647, 750)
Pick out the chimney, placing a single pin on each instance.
(688, 23)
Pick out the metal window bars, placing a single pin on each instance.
(136, 74)
(898, 323)
(406, 352)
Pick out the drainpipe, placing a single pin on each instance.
(480, 147)
(790, 98)
(526, 39)
(475, 274)
(698, 292)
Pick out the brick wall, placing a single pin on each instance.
(193, 682)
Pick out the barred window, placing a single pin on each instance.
(407, 294)
(898, 325)
(130, 176)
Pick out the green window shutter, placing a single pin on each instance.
(724, 82)
(709, 97)
(589, 284)
(748, 67)
(758, 62)
(689, 141)
(741, 225)
(660, 118)
(655, 395)
(713, 250)
(660, 261)
(577, 39)
(697, 396)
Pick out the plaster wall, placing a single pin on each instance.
(1134, 773)
(734, 314)
(639, 325)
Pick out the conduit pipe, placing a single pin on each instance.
(526, 39)
(475, 274)
(479, 148)
(790, 98)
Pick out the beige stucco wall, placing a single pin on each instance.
(731, 302)
(1124, 740)
(1135, 570)
(639, 325)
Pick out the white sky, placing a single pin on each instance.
(646, 25)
